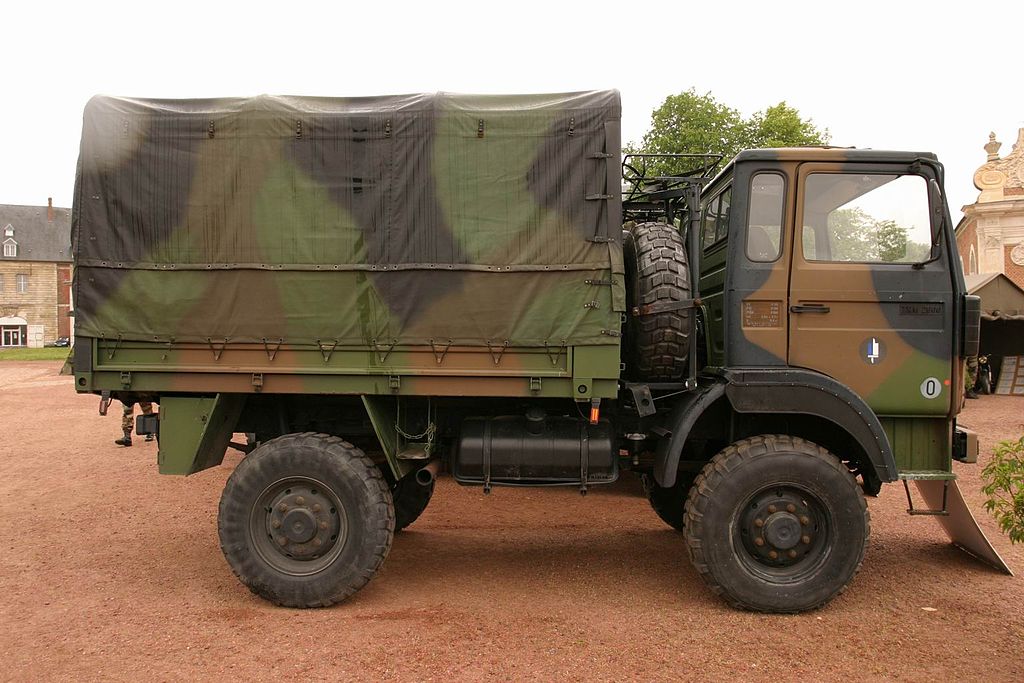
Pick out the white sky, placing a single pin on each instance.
(928, 76)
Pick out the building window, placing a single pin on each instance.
(973, 267)
(10, 248)
(21, 283)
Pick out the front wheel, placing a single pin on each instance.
(306, 520)
(775, 523)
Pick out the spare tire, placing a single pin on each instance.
(656, 346)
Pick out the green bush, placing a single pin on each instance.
(1004, 477)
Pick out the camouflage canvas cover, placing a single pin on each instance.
(462, 218)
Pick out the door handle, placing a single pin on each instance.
(809, 308)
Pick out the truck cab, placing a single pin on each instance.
(839, 262)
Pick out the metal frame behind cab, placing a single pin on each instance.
(664, 198)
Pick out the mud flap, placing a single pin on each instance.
(959, 523)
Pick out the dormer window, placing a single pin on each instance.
(10, 248)
(9, 231)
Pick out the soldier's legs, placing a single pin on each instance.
(127, 417)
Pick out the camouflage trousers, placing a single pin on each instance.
(127, 418)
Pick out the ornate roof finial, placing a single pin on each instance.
(993, 147)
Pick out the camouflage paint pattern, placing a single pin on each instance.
(436, 235)
(911, 312)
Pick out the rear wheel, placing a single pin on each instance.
(669, 503)
(306, 520)
(411, 499)
(775, 523)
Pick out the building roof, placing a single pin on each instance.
(1001, 298)
(38, 239)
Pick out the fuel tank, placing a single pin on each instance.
(534, 450)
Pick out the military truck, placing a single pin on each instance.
(379, 289)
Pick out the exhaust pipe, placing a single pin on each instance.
(428, 473)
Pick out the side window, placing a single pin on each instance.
(866, 218)
(722, 223)
(764, 220)
(708, 232)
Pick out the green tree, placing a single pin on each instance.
(688, 123)
(781, 126)
(891, 240)
(855, 235)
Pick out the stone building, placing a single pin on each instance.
(990, 236)
(35, 274)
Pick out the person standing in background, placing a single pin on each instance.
(128, 422)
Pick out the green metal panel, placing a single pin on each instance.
(383, 416)
(922, 446)
(591, 365)
(219, 367)
(194, 432)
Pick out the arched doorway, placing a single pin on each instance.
(13, 331)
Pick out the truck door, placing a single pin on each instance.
(866, 307)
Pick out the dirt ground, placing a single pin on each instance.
(111, 571)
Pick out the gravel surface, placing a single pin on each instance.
(112, 571)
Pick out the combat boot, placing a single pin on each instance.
(125, 441)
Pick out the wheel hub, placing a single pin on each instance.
(782, 530)
(781, 526)
(298, 525)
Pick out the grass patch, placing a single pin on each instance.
(49, 353)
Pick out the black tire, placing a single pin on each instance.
(657, 345)
(985, 383)
(798, 499)
(411, 499)
(669, 503)
(330, 504)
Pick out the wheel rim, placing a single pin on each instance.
(298, 526)
(783, 533)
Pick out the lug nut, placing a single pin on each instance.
(276, 524)
(316, 507)
(317, 542)
(772, 509)
(759, 541)
(283, 507)
(791, 508)
(804, 520)
(806, 540)
(792, 554)
(282, 540)
(772, 554)
(300, 501)
(759, 522)
(323, 524)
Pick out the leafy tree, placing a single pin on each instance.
(781, 126)
(688, 123)
(891, 240)
(1004, 486)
